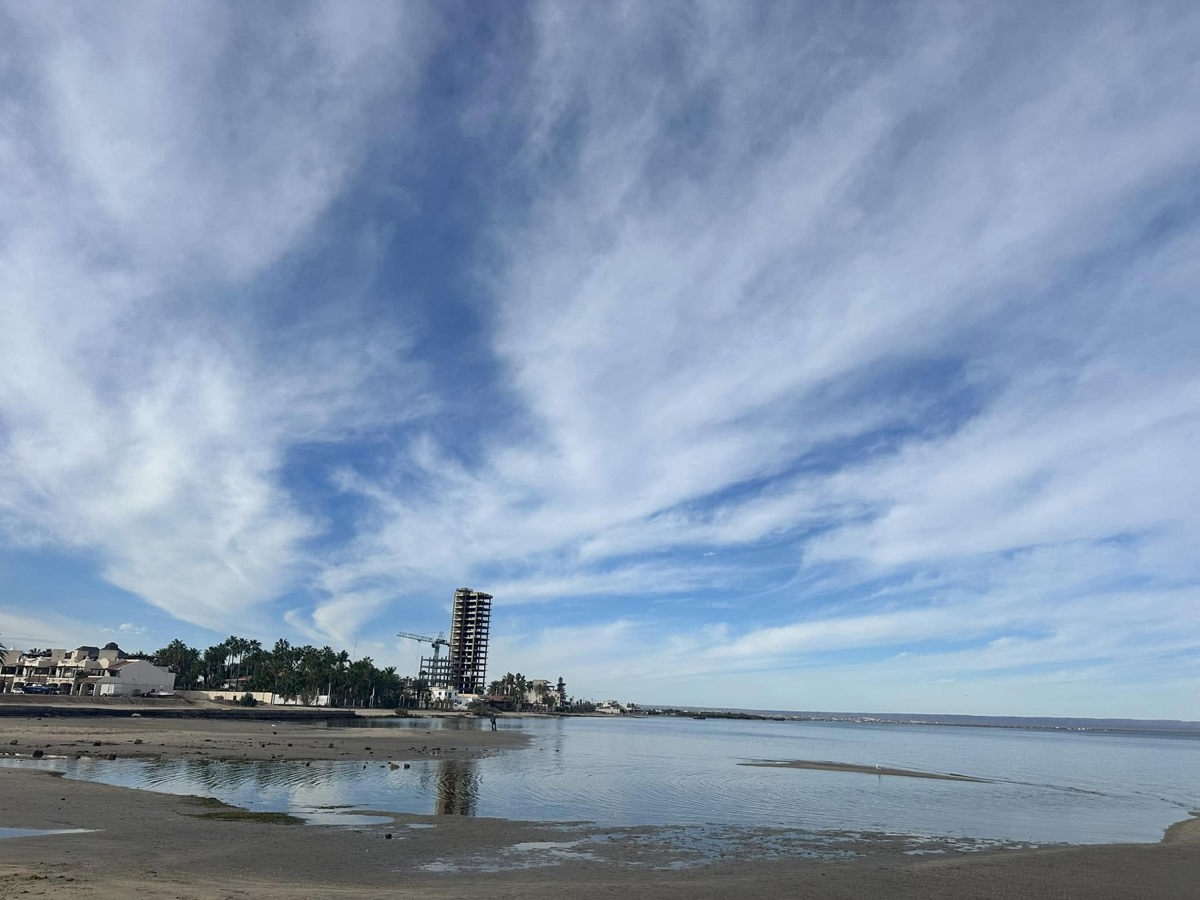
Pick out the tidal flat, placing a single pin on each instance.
(157, 844)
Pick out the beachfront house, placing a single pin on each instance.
(131, 678)
(91, 671)
(540, 695)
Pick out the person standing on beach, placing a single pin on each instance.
(493, 721)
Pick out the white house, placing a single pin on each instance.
(444, 695)
(87, 671)
(132, 677)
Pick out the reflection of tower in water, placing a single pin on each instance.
(457, 787)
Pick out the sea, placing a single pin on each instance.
(1036, 781)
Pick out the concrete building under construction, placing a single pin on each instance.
(464, 667)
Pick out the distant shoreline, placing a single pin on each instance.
(949, 720)
(19, 705)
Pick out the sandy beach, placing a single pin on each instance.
(119, 842)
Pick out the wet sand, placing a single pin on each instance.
(144, 737)
(162, 846)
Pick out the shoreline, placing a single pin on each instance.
(166, 846)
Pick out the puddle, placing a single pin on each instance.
(337, 817)
(39, 832)
(527, 855)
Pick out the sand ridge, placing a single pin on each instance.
(856, 769)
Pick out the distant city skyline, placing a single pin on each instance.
(835, 356)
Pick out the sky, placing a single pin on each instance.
(810, 356)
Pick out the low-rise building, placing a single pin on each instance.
(444, 696)
(130, 678)
(87, 671)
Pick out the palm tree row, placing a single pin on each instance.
(297, 673)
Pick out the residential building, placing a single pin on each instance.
(85, 671)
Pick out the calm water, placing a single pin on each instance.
(1043, 787)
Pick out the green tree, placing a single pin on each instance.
(422, 690)
(361, 682)
(339, 679)
(183, 660)
(281, 670)
(256, 666)
(212, 666)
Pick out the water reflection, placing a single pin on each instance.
(457, 787)
(6, 833)
(1041, 787)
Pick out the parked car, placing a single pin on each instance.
(39, 689)
(154, 693)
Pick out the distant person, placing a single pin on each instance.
(493, 721)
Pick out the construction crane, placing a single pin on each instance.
(438, 642)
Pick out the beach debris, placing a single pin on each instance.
(38, 754)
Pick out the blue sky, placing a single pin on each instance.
(801, 356)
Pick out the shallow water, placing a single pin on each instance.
(6, 833)
(1042, 787)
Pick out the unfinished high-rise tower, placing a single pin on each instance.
(470, 621)
(464, 667)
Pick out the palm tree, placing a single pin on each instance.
(212, 666)
(282, 665)
(257, 660)
(361, 677)
(391, 688)
(520, 687)
(339, 678)
(423, 689)
(183, 660)
(406, 689)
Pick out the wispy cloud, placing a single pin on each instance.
(141, 421)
